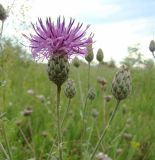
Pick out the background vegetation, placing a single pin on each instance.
(24, 85)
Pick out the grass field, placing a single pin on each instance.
(131, 135)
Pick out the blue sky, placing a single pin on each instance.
(127, 10)
(116, 24)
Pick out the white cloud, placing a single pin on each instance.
(114, 38)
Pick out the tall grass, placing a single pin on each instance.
(130, 137)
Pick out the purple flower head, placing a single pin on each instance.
(52, 39)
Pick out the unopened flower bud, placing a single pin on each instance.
(99, 55)
(91, 94)
(127, 136)
(70, 90)
(102, 156)
(58, 69)
(101, 81)
(76, 62)
(3, 13)
(119, 151)
(30, 91)
(41, 98)
(152, 46)
(108, 98)
(95, 113)
(27, 112)
(90, 55)
(18, 122)
(44, 134)
(121, 85)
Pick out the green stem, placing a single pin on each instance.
(26, 141)
(6, 142)
(90, 135)
(105, 130)
(2, 149)
(81, 92)
(66, 112)
(58, 122)
(88, 76)
(153, 54)
(84, 115)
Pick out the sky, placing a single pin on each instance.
(116, 24)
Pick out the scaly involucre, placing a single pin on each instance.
(52, 39)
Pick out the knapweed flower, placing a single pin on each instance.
(58, 39)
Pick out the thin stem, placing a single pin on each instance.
(84, 115)
(88, 76)
(42, 150)
(66, 112)
(104, 111)
(2, 27)
(2, 149)
(6, 142)
(2, 115)
(153, 54)
(58, 123)
(81, 92)
(26, 140)
(91, 132)
(105, 130)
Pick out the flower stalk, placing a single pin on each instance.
(6, 141)
(105, 130)
(58, 123)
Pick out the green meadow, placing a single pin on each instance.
(24, 85)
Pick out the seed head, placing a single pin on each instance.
(30, 91)
(44, 134)
(127, 136)
(121, 85)
(27, 112)
(91, 94)
(41, 98)
(3, 13)
(102, 156)
(95, 113)
(70, 90)
(108, 98)
(100, 55)
(119, 151)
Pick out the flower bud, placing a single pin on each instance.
(127, 136)
(108, 98)
(70, 90)
(100, 55)
(95, 113)
(76, 62)
(102, 156)
(3, 13)
(90, 55)
(58, 69)
(91, 94)
(27, 112)
(121, 85)
(152, 46)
